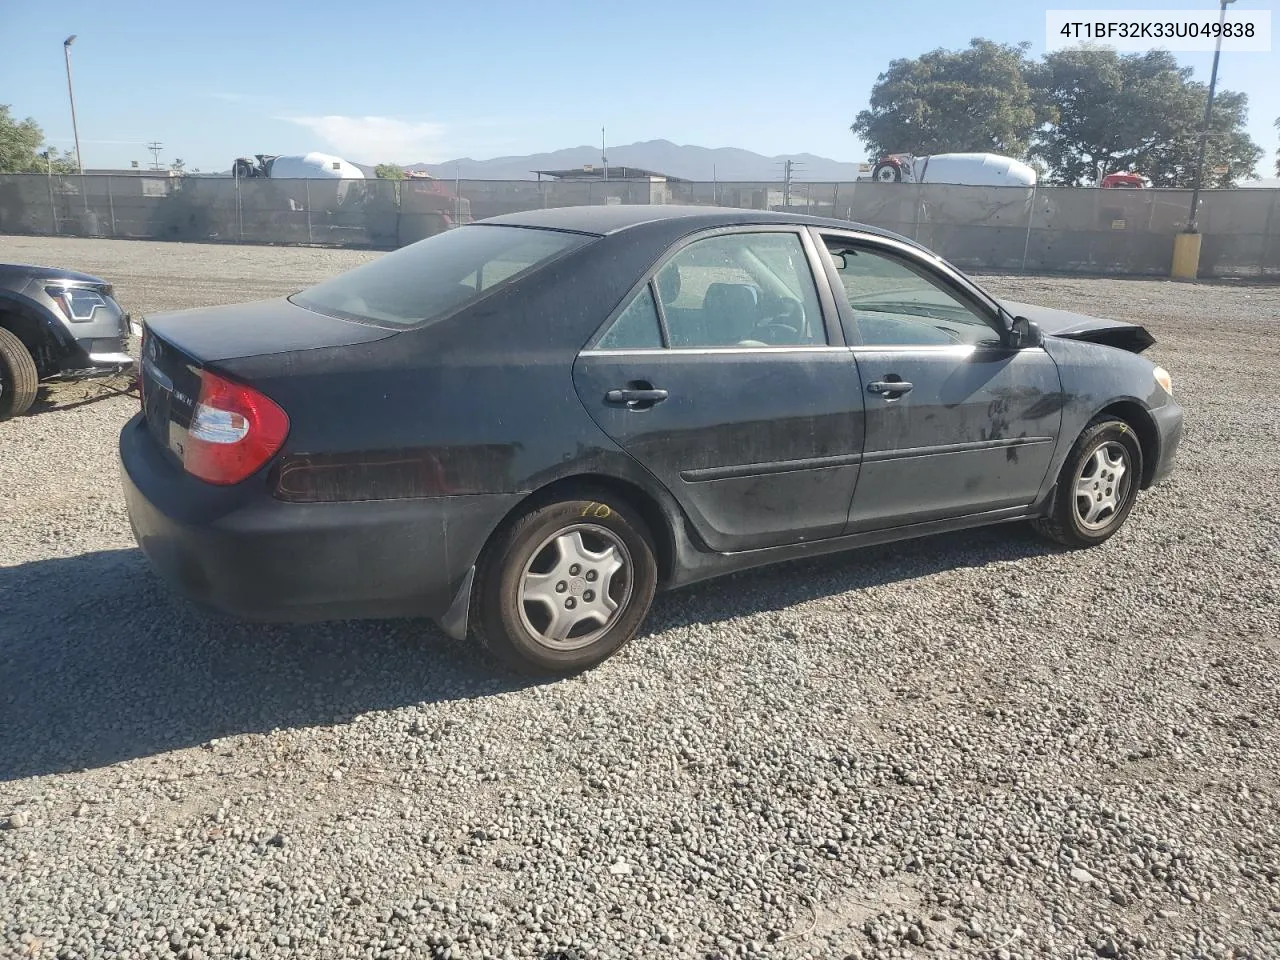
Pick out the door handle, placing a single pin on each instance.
(889, 388)
(633, 395)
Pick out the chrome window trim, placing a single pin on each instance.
(703, 351)
(957, 350)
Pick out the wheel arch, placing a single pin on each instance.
(657, 511)
(1135, 414)
(44, 337)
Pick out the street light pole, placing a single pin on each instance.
(66, 49)
(1208, 117)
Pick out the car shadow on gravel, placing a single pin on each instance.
(67, 395)
(798, 581)
(100, 663)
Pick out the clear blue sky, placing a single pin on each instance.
(433, 81)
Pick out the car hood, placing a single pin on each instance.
(210, 334)
(1078, 326)
(50, 273)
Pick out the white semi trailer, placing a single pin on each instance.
(311, 166)
(974, 169)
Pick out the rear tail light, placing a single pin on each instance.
(234, 431)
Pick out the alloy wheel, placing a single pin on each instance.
(575, 586)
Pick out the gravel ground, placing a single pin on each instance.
(972, 746)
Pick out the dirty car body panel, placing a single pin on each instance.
(410, 444)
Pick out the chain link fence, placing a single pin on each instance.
(1040, 229)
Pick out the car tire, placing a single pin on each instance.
(894, 171)
(1097, 487)
(539, 605)
(19, 379)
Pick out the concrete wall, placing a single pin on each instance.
(1050, 229)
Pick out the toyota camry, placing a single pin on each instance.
(524, 427)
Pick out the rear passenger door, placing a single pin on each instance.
(724, 373)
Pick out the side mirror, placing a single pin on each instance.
(1024, 333)
(840, 261)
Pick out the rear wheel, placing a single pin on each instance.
(566, 585)
(19, 379)
(1097, 487)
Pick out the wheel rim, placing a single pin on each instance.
(1102, 485)
(886, 175)
(575, 586)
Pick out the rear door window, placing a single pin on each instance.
(637, 327)
(741, 290)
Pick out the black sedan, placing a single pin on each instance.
(523, 427)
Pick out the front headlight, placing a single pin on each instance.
(1163, 378)
(78, 303)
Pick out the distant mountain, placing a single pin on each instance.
(661, 156)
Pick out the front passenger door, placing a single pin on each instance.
(957, 422)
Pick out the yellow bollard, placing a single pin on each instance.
(1186, 256)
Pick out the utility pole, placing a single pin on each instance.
(788, 174)
(1192, 227)
(75, 128)
(604, 157)
(1186, 245)
(155, 146)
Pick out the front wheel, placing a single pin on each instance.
(887, 173)
(19, 379)
(1097, 487)
(566, 585)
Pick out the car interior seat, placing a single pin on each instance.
(730, 313)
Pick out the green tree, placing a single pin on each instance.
(21, 151)
(1136, 112)
(179, 166)
(973, 100)
(19, 143)
(389, 171)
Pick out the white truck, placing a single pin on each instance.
(311, 166)
(973, 169)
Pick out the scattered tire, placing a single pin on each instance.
(19, 379)
(886, 173)
(1097, 487)
(566, 585)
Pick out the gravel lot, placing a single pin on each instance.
(974, 745)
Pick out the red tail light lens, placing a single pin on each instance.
(234, 431)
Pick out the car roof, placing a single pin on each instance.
(602, 220)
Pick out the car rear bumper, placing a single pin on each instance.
(242, 552)
(1168, 420)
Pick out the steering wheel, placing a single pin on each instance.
(786, 326)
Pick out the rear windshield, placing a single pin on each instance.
(436, 276)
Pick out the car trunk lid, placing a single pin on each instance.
(169, 380)
(178, 348)
(253, 329)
